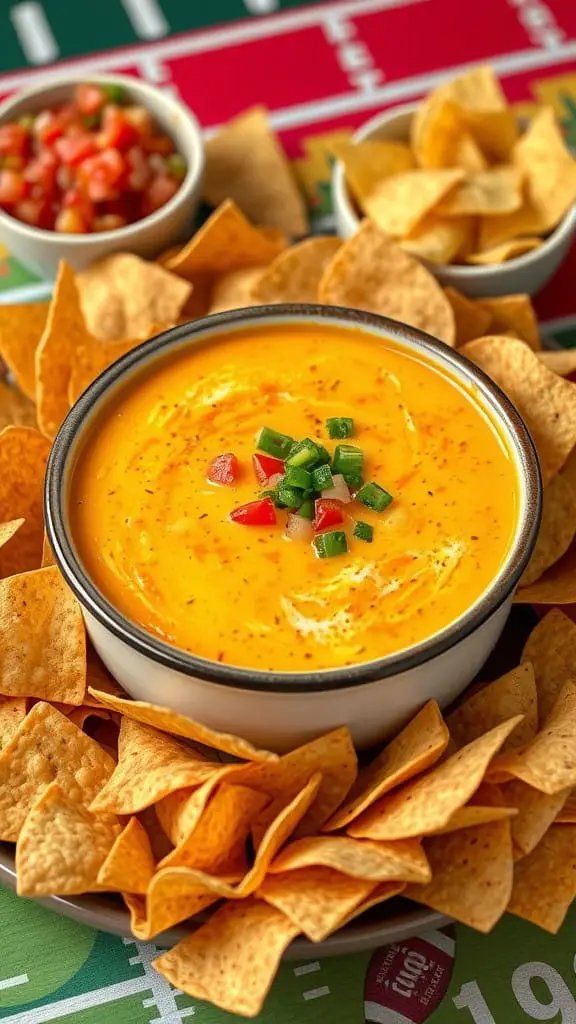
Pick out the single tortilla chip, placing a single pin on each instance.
(179, 725)
(546, 402)
(295, 275)
(567, 813)
(129, 865)
(227, 241)
(174, 895)
(15, 409)
(556, 586)
(62, 846)
(416, 748)
(180, 812)
(234, 290)
(333, 755)
(427, 803)
(13, 711)
(47, 555)
(317, 899)
(151, 765)
(548, 762)
(218, 843)
(47, 748)
(90, 358)
(545, 881)
(246, 162)
(376, 862)
(370, 271)
(471, 816)
(551, 648)
(557, 529)
(495, 191)
(440, 137)
(505, 251)
(562, 361)
(42, 638)
(402, 201)
(367, 163)
(548, 167)
(472, 321)
(536, 812)
(21, 328)
(65, 330)
(512, 694)
(233, 958)
(440, 240)
(472, 872)
(124, 296)
(383, 892)
(525, 222)
(23, 457)
(513, 313)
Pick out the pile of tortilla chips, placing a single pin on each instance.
(466, 187)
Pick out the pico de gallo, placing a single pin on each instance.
(95, 163)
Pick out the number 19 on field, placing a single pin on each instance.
(558, 1004)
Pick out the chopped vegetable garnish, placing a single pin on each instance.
(304, 454)
(298, 528)
(324, 458)
(364, 531)
(340, 426)
(296, 477)
(374, 497)
(255, 513)
(306, 509)
(224, 469)
(273, 443)
(327, 545)
(114, 93)
(268, 494)
(327, 513)
(322, 478)
(339, 491)
(348, 461)
(267, 467)
(289, 497)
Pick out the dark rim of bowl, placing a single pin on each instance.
(258, 679)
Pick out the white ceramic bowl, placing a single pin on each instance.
(42, 250)
(528, 273)
(279, 710)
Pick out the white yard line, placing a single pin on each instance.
(26, 293)
(33, 30)
(18, 979)
(147, 18)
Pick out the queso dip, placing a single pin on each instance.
(157, 537)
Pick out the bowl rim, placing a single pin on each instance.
(140, 360)
(195, 157)
(458, 271)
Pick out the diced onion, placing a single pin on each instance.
(340, 491)
(298, 528)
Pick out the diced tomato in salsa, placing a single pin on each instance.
(327, 513)
(267, 468)
(96, 163)
(224, 469)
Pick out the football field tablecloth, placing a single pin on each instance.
(320, 69)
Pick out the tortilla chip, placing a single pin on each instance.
(246, 162)
(179, 725)
(376, 862)
(159, 841)
(513, 313)
(438, 239)
(546, 402)
(548, 167)
(218, 843)
(13, 711)
(124, 296)
(90, 358)
(525, 222)
(512, 694)
(370, 271)
(536, 812)
(562, 361)
(47, 748)
(23, 457)
(61, 846)
(548, 762)
(551, 647)
(233, 958)
(556, 586)
(316, 899)
(473, 815)
(416, 748)
(567, 813)
(472, 321)
(440, 137)
(15, 408)
(295, 275)
(129, 865)
(557, 529)
(234, 290)
(367, 163)
(227, 241)
(545, 881)
(495, 191)
(179, 813)
(150, 766)
(42, 638)
(383, 892)
(402, 201)
(333, 755)
(21, 328)
(472, 874)
(427, 803)
(65, 330)
(47, 555)
(174, 895)
(505, 251)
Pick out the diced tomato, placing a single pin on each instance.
(72, 151)
(140, 119)
(158, 144)
(255, 513)
(13, 187)
(159, 191)
(89, 98)
(31, 211)
(101, 174)
(224, 469)
(14, 139)
(76, 199)
(139, 172)
(116, 132)
(42, 170)
(70, 222)
(50, 125)
(267, 467)
(327, 513)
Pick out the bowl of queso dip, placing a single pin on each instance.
(284, 519)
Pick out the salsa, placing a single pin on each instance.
(193, 532)
(95, 163)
